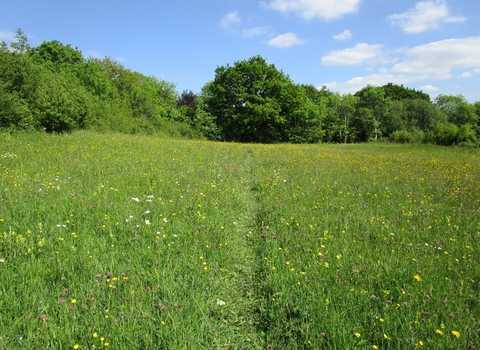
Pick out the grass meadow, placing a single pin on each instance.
(135, 242)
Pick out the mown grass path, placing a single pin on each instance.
(125, 242)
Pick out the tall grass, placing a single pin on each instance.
(133, 242)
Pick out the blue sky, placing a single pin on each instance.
(432, 45)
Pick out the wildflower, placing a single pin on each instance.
(76, 346)
(417, 278)
(220, 302)
(438, 331)
(375, 347)
(386, 336)
(73, 301)
(456, 334)
(95, 335)
(106, 344)
(358, 335)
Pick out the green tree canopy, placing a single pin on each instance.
(396, 92)
(253, 101)
(458, 110)
(54, 54)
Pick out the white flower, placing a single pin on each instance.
(136, 199)
(220, 302)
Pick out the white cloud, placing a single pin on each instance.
(285, 40)
(345, 35)
(257, 31)
(309, 9)
(424, 16)
(229, 19)
(429, 88)
(433, 61)
(465, 75)
(6, 36)
(359, 54)
(376, 79)
(439, 58)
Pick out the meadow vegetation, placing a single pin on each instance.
(137, 242)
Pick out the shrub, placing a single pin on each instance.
(402, 136)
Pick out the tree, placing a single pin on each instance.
(373, 99)
(55, 54)
(399, 92)
(252, 101)
(346, 111)
(21, 45)
(458, 110)
(187, 98)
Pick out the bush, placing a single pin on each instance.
(402, 136)
(446, 134)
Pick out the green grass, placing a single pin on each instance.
(137, 242)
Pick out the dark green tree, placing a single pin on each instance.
(372, 98)
(396, 92)
(54, 55)
(253, 101)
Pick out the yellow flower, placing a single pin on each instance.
(95, 335)
(74, 301)
(358, 335)
(106, 344)
(455, 333)
(385, 336)
(76, 346)
(417, 278)
(375, 347)
(438, 331)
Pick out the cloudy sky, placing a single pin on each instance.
(432, 45)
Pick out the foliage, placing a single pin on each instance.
(375, 104)
(402, 136)
(458, 110)
(252, 101)
(399, 92)
(446, 134)
(54, 55)
(53, 87)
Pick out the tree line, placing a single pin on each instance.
(53, 87)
